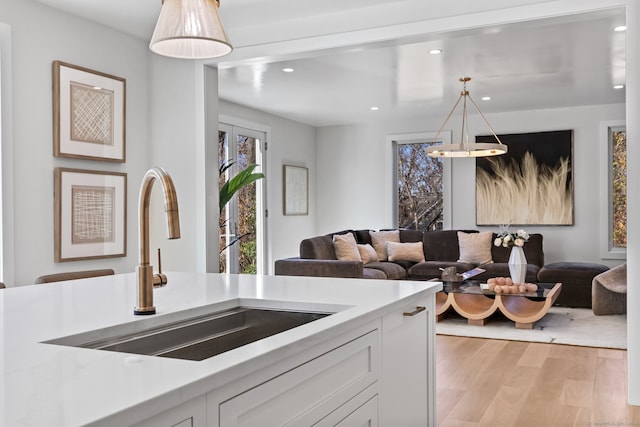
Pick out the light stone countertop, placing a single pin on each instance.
(53, 385)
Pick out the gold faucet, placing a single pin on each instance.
(146, 279)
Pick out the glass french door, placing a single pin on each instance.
(242, 222)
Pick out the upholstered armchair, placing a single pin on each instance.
(609, 291)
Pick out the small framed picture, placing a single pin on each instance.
(88, 114)
(296, 190)
(90, 214)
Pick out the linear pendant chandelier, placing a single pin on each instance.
(466, 148)
(190, 29)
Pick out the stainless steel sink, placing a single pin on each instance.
(201, 337)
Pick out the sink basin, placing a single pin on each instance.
(201, 337)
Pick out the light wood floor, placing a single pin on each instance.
(483, 382)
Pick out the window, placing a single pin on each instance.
(614, 214)
(420, 184)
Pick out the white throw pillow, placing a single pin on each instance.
(405, 251)
(380, 239)
(367, 253)
(475, 248)
(346, 247)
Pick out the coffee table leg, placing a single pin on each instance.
(525, 312)
(524, 325)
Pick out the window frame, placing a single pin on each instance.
(421, 138)
(607, 251)
(7, 261)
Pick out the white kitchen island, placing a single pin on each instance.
(371, 361)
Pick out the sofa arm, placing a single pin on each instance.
(318, 268)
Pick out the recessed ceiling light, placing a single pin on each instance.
(618, 87)
(486, 98)
(374, 108)
(288, 70)
(435, 51)
(620, 28)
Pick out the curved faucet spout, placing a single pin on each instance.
(146, 279)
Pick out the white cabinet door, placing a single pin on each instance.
(408, 385)
(190, 414)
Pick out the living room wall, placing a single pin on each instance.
(164, 127)
(354, 184)
(40, 35)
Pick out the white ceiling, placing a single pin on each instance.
(557, 62)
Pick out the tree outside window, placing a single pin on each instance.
(618, 141)
(419, 188)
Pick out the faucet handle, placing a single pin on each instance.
(159, 279)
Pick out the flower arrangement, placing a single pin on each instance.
(509, 239)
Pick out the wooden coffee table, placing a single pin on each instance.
(476, 305)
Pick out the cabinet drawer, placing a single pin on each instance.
(189, 414)
(361, 411)
(307, 393)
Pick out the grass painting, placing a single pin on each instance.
(531, 184)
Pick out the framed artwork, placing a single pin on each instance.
(90, 214)
(88, 114)
(296, 190)
(532, 184)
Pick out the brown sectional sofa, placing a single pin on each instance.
(441, 250)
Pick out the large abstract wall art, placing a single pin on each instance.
(531, 184)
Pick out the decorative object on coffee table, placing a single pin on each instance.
(517, 260)
(517, 264)
(450, 274)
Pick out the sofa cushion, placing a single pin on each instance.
(346, 247)
(442, 245)
(319, 247)
(405, 251)
(392, 270)
(410, 236)
(432, 269)
(475, 248)
(362, 236)
(380, 239)
(367, 253)
(372, 273)
(404, 264)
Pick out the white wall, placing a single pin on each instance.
(41, 35)
(290, 143)
(355, 187)
(178, 143)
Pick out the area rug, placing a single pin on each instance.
(573, 326)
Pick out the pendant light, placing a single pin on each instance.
(466, 148)
(190, 29)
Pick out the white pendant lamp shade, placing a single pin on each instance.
(190, 29)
